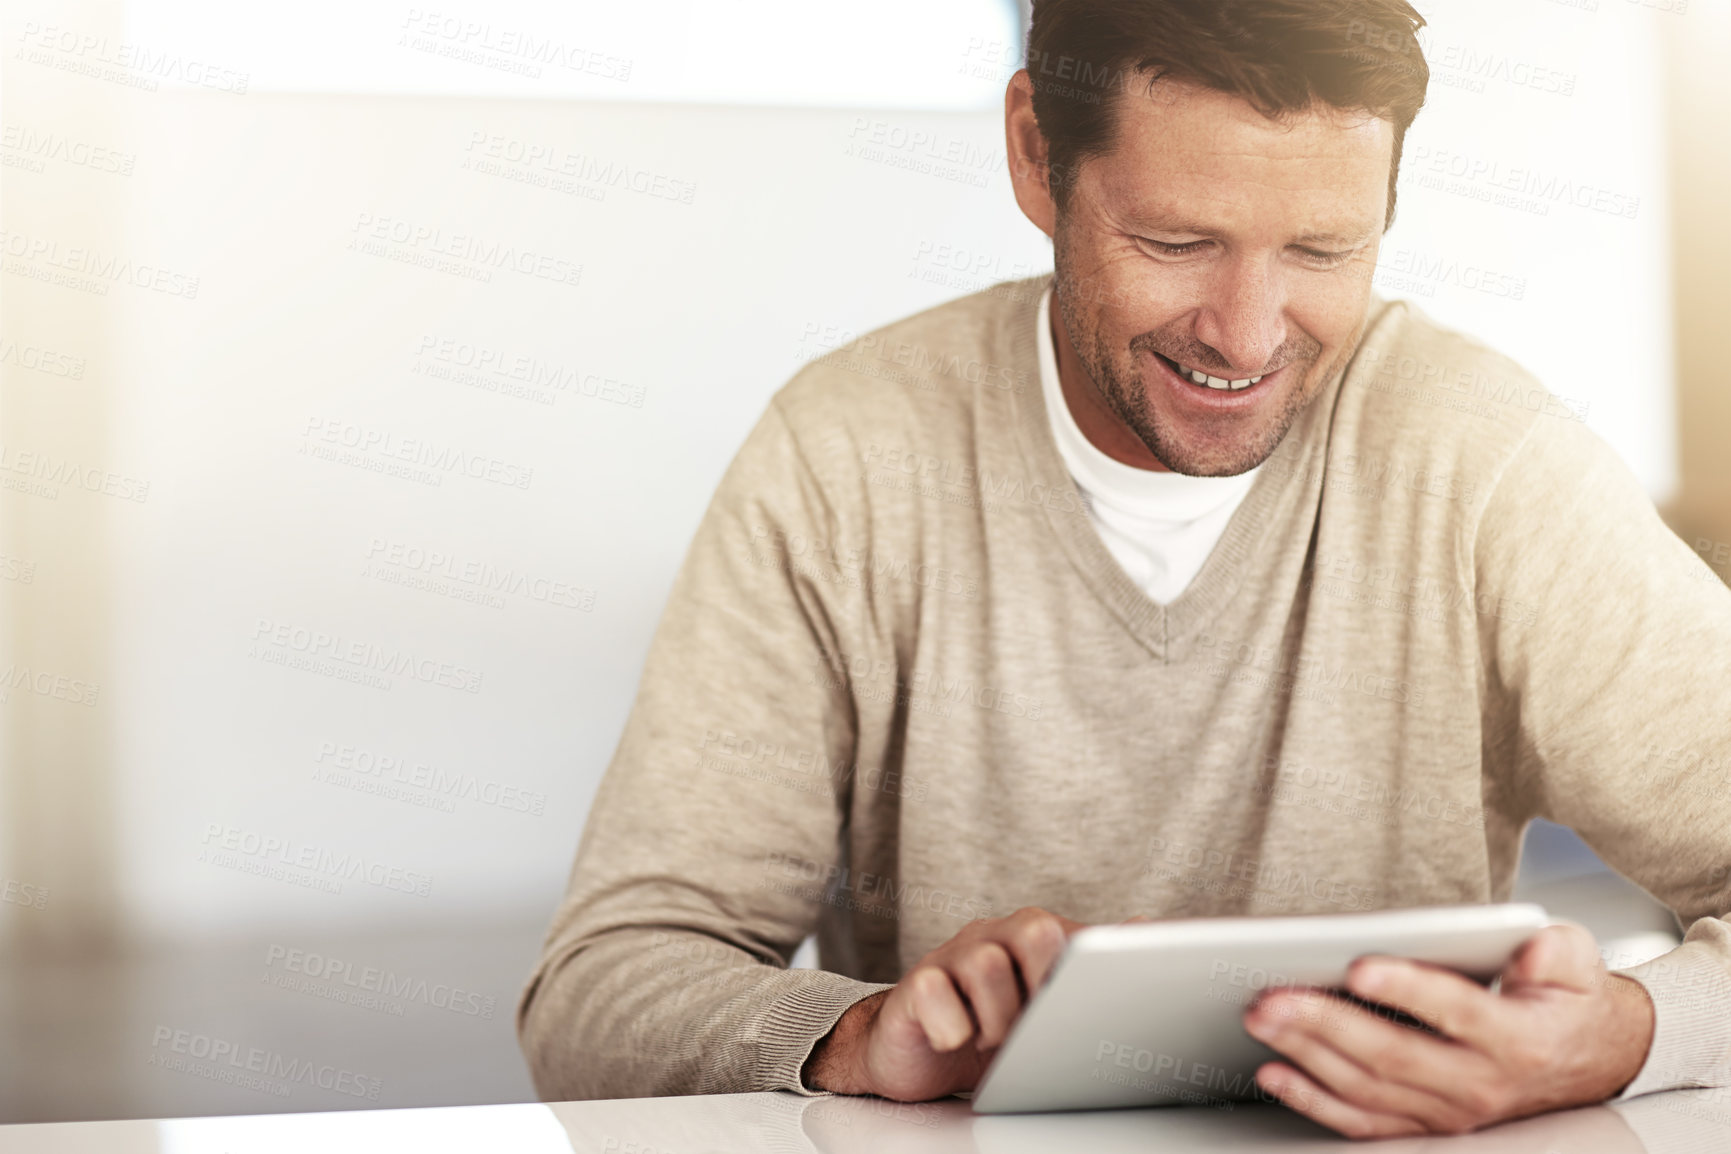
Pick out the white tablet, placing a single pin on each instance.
(1152, 1013)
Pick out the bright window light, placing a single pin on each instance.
(936, 54)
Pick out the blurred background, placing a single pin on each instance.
(365, 368)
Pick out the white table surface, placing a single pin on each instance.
(1680, 1122)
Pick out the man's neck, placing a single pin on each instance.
(1104, 430)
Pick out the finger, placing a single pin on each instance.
(987, 979)
(1560, 955)
(935, 1003)
(1306, 1097)
(1436, 1066)
(1453, 1005)
(1308, 1039)
(1034, 939)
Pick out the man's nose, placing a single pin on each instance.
(1243, 317)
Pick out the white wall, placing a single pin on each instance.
(1538, 168)
(798, 230)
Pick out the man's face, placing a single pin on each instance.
(1214, 241)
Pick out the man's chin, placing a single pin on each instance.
(1197, 455)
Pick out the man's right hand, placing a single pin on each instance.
(935, 1032)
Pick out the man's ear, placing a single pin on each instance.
(1025, 147)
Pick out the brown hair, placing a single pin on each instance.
(1280, 55)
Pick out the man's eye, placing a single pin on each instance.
(1165, 248)
(1324, 258)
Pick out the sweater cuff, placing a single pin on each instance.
(796, 1022)
(1686, 1122)
(1691, 995)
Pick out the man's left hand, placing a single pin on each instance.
(1562, 1031)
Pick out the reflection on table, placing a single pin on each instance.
(1681, 1122)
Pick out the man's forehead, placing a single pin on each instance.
(1202, 123)
(1191, 159)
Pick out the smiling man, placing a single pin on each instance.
(1180, 583)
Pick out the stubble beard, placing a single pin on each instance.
(1121, 387)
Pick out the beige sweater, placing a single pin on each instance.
(900, 684)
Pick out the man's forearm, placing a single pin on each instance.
(834, 1064)
(643, 1013)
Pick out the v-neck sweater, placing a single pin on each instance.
(900, 683)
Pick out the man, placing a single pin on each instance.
(1175, 585)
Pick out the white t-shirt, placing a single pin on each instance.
(1160, 527)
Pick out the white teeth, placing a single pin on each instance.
(1217, 383)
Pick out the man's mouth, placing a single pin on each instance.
(1207, 380)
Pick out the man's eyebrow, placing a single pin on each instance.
(1344, 238)
(1349, 236)
(1155, 221)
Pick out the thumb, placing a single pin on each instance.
(1562, 954)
